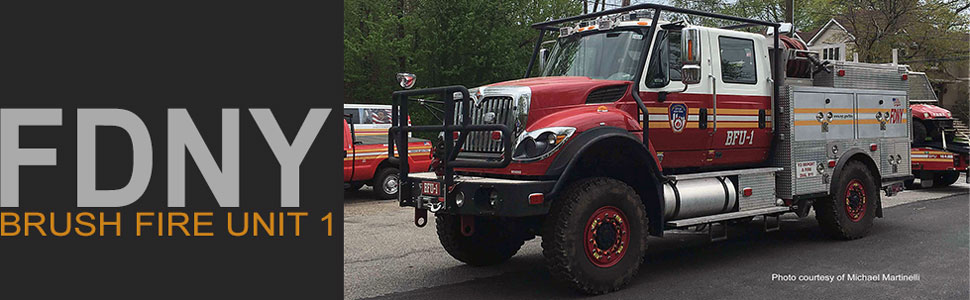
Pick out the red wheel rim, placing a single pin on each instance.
(855, 200)
(607, 236)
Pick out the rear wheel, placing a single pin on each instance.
(386, 183)
(849, 212)
(946, 178)
(492, 240)
(595, 235)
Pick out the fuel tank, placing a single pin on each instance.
(699, 197)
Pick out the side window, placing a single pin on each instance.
(354, 115)
(673, 51)
(376, 116)
(737, 60)
(665, 63)
(657, 70)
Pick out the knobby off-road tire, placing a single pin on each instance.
(493, 240)
(386, 183)
(946, 178)
(849, 212)
(584, 242)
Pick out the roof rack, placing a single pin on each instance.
(653, 6)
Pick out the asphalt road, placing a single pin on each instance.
(923, 232)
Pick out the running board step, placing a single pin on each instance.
(727, 216)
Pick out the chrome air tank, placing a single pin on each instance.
(699, 197)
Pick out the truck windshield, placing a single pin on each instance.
(611, 55)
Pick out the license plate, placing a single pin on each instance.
(430, 188)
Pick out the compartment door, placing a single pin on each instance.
(809, 114)
(840, 115)
(883, 116)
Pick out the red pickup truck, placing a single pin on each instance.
(365, 161)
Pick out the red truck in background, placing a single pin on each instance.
(365, 159)
(938, 157)
(938, 168)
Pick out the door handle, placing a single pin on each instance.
(714, 98)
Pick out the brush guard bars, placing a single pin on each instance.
(397, 140)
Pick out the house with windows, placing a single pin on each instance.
(832, 41)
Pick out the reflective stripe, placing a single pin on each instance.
(727, 118)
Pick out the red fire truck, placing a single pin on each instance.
(938, 159)
(365, 159)
(636, 126)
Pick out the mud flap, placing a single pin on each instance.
(879, 208)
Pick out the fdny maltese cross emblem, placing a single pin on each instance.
(678, 116)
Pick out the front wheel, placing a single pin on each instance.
(848, 214)
(492, 241)
(386, 183)
(596, 235)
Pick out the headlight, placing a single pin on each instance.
(542, 143)
(926, 115)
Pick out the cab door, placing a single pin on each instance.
(678, 121)
(740, 113)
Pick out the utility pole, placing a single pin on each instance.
(789, 11)
(790, 15)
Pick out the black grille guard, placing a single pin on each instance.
(398, 136)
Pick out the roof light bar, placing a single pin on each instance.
(565, 31)
(605, 24)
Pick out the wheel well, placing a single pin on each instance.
(381, 166)
(867, 161)
(626, 160)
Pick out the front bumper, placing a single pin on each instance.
(512, 196)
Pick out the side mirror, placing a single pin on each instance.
(690, 74)
(690, 55)
(543, 57)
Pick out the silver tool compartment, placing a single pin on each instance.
(817, 125)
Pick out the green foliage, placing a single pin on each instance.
(809, 14)
(443, 42)
(921, 30)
